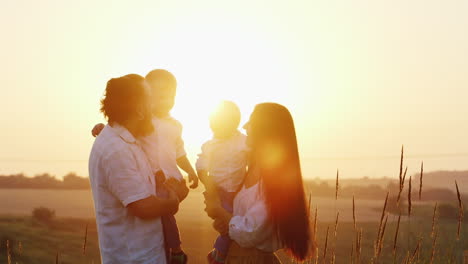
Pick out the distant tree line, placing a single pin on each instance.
(44, 181)
(376, 191)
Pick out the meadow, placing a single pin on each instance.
(63, 239)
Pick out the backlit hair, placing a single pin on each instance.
(122, 97)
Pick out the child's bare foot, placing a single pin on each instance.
(178, 256)
(216, 257)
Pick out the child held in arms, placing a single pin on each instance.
(165, 151)
(221, 166)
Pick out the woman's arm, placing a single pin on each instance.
(252, 228)
(213, 206)
(248, 230)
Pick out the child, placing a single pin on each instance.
(165, 151)
(222, 165)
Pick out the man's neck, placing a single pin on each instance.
(131, 126)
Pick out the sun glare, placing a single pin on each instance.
(210, 73)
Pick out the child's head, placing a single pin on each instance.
(163, 90)
(225, 119)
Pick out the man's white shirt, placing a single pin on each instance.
(120, 174)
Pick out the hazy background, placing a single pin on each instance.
(360, 77)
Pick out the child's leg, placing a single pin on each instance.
(223, 241)
(171, 231)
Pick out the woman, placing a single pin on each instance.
(270, 210)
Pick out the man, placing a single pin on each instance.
(127, 209)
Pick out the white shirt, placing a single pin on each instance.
(225, 160)
(120, 174)
(164, 146)
(249, 226)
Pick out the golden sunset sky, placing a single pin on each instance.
(360, 77)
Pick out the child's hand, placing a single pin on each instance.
(179, 187)
(221, 225)
(193, 179)
(97, 129)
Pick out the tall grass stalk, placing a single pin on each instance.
(315, 223)
(85, 240)
(421, 180)
(401, 164)
(310, 202)
(337, 184)
(326, 246)
(354, 214)
(380, 224)
(8, 252)
(336, 224)
(434, 220)
(395, 239)
(416, 251)
(409, 212)
(434, 244)
(402, 185)
(460, 211)
(359, 246)
(20, 248)
(409, 199)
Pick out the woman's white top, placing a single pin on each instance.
(249, 226)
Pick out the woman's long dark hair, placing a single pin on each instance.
(272, 138)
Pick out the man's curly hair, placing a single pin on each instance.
(122, 96)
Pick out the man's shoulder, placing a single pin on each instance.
(109, 142)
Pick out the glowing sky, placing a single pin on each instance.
(360, 77)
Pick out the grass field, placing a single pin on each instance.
(40, 243)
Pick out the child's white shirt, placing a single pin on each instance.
(225, 160)
(164, 146)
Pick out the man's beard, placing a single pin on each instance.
(145, 127)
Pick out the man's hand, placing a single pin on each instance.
(193, 179)
(97, 129)
(212, 205)
(178, 187)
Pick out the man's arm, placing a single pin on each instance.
(152, 207)
(185, 165)
(132, 190)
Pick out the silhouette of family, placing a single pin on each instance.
(253, 182)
